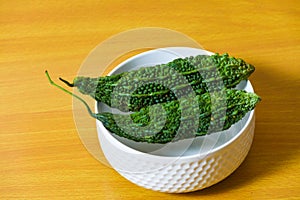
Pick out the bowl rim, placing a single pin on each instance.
(128, 149)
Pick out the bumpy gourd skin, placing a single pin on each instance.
(238, 103)
(161, 84)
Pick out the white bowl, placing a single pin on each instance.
(183, 166)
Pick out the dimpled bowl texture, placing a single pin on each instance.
(183, 166)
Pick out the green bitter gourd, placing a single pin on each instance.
(163, 83)
(238, 103)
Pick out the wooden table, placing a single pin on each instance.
(42, 156)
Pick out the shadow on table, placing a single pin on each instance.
(275, 137)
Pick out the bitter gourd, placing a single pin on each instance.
(238, 103)
(162, 83)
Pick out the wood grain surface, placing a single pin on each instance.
(42, 156)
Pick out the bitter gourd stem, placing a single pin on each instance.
(74, 95)
(67, 82)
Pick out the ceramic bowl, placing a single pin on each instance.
(184, 166)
